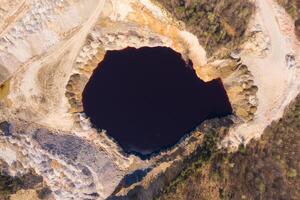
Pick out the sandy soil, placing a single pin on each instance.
(64, 55)
(47, 75)
(277, 82)
(25, 195)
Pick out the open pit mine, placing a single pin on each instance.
(110, 99)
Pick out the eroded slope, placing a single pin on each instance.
(265, 169)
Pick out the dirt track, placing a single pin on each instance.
(277, 83)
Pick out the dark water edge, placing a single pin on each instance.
(149, 98)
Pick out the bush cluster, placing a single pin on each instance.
(216, 23)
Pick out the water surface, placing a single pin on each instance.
(148, 98)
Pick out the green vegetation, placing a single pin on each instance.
(217, 23)
(291, 7)
(265, 169)
(10, 185)
(206, 151)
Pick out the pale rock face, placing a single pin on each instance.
(44, 45)
(8, 155)
(48, 50)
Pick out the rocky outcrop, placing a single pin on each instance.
(71, 166)
(48, 51)
(238, 82)
(164, 173)
(6, 128)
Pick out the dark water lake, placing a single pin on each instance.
(148, 98)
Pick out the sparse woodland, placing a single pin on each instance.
(10, 185)
(266, 169)
(217, 23)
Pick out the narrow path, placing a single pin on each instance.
(64, 53)
(12, 16)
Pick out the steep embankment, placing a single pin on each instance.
(266, 169)
(277, 80)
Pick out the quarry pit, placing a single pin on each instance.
(50, 110)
